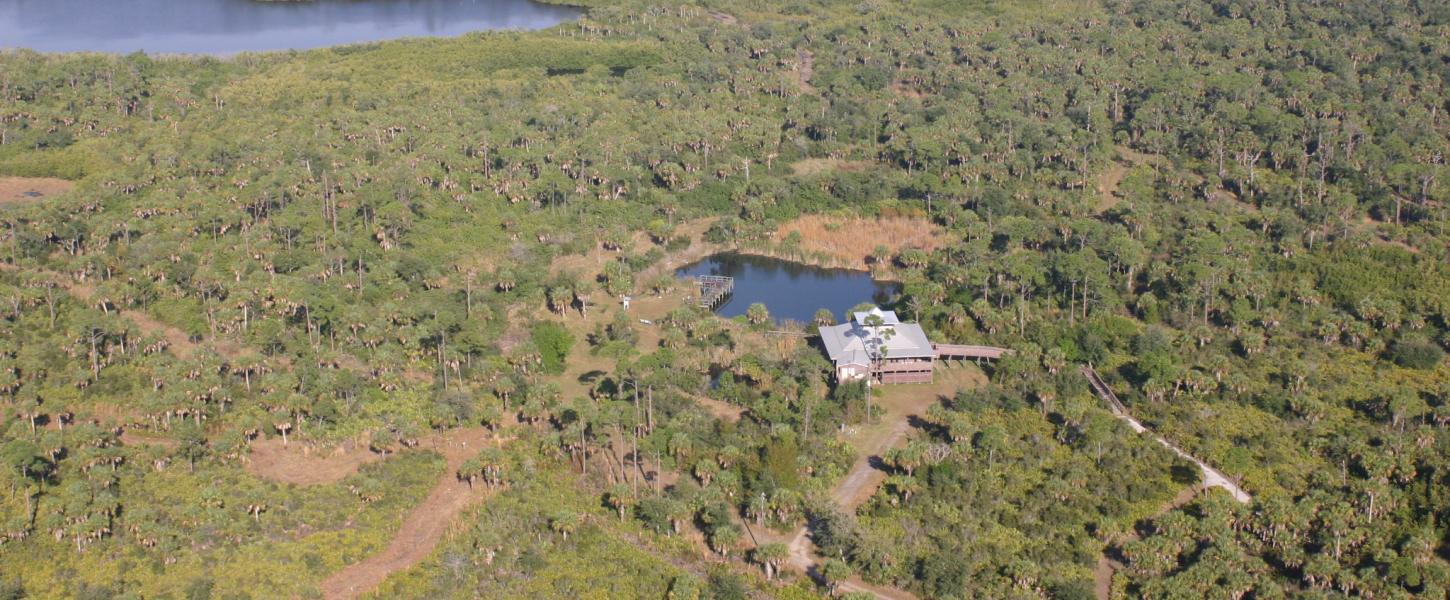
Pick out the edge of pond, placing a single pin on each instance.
(583, 7)
(700, 249)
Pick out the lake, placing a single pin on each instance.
(223, 27)
(792, 291)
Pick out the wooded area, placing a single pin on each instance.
(1235, 210)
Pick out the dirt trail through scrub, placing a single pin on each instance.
(178, 342)
(426, 524)
(723, 17)
(724, 411)
(1109, 181)
(1103, 574)
(805, 70)
(900, 404)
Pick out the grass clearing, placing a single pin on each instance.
(815, 166)
(851, 240)
(16, 190)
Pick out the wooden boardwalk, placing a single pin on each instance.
(1211, 477)
(714, 289)
(963, 352)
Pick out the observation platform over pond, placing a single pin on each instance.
(714, 289)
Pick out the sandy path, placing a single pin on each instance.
(425, 525)
(1108, 182)
(900, 404)
(805, 70)
(1107, 567)
(724, 411)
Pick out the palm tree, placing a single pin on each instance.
(724, 537)
(757, 314)
(283, 427)
(560, 297)
(835, 571)
(770, 556)
(25, 459)
(503, 388)
(903, 486)
(622, 498)
(824, 317)
(680, 446)
(470, 471)
(565, 523)
(491, 465)
(504, 280)
(876, 347)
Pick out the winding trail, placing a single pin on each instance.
(1211, 477)
(1103, 574)
(900, 403)
(178, 342)
(1106, 567)
(426, 524)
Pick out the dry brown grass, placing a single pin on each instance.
(850, 240)
(22, 189)
(815, 166)
(906, 91)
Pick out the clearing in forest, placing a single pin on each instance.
(426, 524)
(1109, 181)
(807, 167)
(851, 240)
(20, 189)
(300, 464)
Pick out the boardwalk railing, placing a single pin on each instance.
(963, 352)
(714, 289)
(1211, 477)
(1103, 391)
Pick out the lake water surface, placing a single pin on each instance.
(790, 290)
(222, 27)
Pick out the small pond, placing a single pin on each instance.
(223, 27)
(792, 291)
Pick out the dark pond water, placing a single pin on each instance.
(223, 27)
(790, 290)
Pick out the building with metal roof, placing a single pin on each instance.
(877, 344)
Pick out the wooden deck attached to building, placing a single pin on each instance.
(905, 370)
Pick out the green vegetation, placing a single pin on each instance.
(1235, 210)
(553, 342)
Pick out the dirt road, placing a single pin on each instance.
(425, 525)
(899, 405)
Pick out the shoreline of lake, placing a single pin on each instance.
(790, 290)
(225, 29)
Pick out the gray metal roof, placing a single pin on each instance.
(888, 317)
(853, 343)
